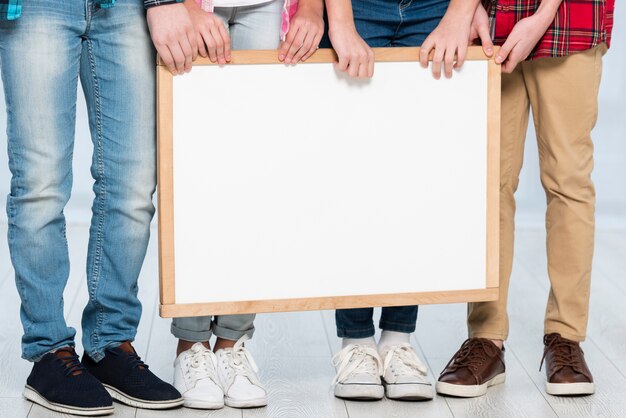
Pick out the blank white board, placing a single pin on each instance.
(299, 184)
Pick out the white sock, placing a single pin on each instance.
(358, 341)
(389, 338)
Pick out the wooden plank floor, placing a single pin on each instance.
(294, 349)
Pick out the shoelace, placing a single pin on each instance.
(405, 361)
(71, 362)
(471, 355)
(356, 359)
(202, 362)
(242, 362)
(565, 353)
(132, 358)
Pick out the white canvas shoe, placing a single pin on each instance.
(405, 377)
(195, 377)
(237, 373)
(358, 373)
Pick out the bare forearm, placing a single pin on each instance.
(462, 9)
(547, 10)
(339, 13)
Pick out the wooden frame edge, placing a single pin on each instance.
(165, 177)
(493, 174)
(322, 303)
(168, 306)
(326, 55)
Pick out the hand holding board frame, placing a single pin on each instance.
(296, 188)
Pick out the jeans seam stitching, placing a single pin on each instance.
(98, 149)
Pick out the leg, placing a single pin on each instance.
(489, 319)
(404, 373)
(564, 99)
(355, 323)
(250, 27)
(376, 21)
(230, 328)
(191, 330)
(419, 19)
(117, 73)
(40, 59)
(479, 363)
(398, 319)
(40, 56)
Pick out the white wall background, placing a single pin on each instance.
(609, 136)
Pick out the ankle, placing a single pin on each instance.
(498, 343)
(221, 343)
(184, 345)
(391, 338)
(369, 341)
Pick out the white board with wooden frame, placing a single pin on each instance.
(286, 188)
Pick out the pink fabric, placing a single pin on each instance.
(289, 10)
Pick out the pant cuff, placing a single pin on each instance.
(396, 327)
(231, 334)
(488, 335)
(356, 333)
(36, 357)
(188, 335)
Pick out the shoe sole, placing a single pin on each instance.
(360, 392)
(141, 403)
(568, 389)
(34, 396)
(409, 392)
(203, 405)
(468, 391)
(250, 403)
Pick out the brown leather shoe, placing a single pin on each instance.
(477, 365)
(566, 369)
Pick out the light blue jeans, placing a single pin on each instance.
(43, 56)
(251, 27)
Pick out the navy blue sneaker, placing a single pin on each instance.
(60, 382)
(128, 380)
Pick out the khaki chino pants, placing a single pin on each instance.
(563, 96)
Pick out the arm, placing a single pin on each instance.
(305, 32)
(211, 36)
(449, 39)
(525, 35)
(355, 56)
(172, 34)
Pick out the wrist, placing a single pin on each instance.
(341, 27)
(311, 7)
(461, 11)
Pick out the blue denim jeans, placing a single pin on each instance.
(43, 55)
(250, 27)
(389, 23)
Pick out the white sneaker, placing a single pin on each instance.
(404, 375)
(237, 373)
(195, 377)
(358, 373)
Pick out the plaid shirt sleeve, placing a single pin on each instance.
(10, 9)
(152, 3)
(578, 25)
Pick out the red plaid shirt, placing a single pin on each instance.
(578, 25)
